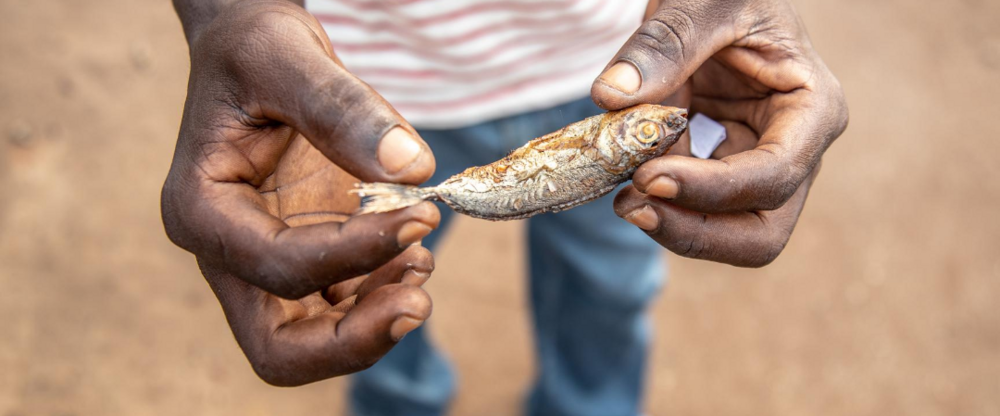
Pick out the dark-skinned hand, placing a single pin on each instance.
(748, 64)
(274, 128)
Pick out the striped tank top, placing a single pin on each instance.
(452, 63)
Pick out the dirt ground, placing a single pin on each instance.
(884, 303)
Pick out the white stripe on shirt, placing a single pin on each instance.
(450, 63)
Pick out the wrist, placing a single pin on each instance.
(196, 15)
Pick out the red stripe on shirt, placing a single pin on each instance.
(556, 51)
(404, 20)
(422, 41)
(451, 59)
(368, 4)
(425, 43)
(486, 96)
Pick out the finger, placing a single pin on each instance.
(683, 145)
(357, 129)
(752, 111)
(413, 267)
(340, 292)
(746, 239)
(716, 79)
(296, 80)
(300, 260)
(798, 129)
(286, 345)
(680, 98)
(228, 225)
(739, 138)
(314, 303)
(664, 52)
(651, 7)
(334, 343)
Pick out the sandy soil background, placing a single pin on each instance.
(884, 303)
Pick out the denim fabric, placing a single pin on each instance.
(592, 277)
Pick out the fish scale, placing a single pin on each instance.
(561, 170)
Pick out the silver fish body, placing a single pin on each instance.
(577, 164)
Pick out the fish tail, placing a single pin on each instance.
(384, 197)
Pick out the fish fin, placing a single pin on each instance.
(384, 197)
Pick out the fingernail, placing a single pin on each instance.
(623, 76)
(412, 232)
(663, 187)
(403, 326)
(415, 278)
(644, 218)
(398, 150)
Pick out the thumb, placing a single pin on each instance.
(307, 88)
(664, 52)
(357, 129)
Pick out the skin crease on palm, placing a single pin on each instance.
(275, 131)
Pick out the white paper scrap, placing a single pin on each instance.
(706, 135)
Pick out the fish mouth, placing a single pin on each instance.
(678, 120)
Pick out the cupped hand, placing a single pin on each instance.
(750, 65)
(274, 133)
(341, 330)
(343, 327)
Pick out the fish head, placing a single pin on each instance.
(652, 128)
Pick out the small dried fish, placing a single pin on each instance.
(575, 165)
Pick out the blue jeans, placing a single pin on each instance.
(592, 277)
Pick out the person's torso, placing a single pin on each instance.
(450, 63)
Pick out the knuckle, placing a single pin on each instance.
(346, 102)
(667, 33)
(836, 109)
(771, 252)
(286, 286)
(269, 377)
(413, 301)
(625, 201)
(169, 208)
(842, 116)
(360, 364)
(422, 258)
(291, 293)
(271, 373)
(780, 184)
(281, 380)
(767, 249)
(692, 239)
(352, 362)
(414, 296)
(783, 190)
(175, 207)
(694, 248)
(282, 267)
(269, 15)
(275, 275)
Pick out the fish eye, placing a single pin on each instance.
(648, 132)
